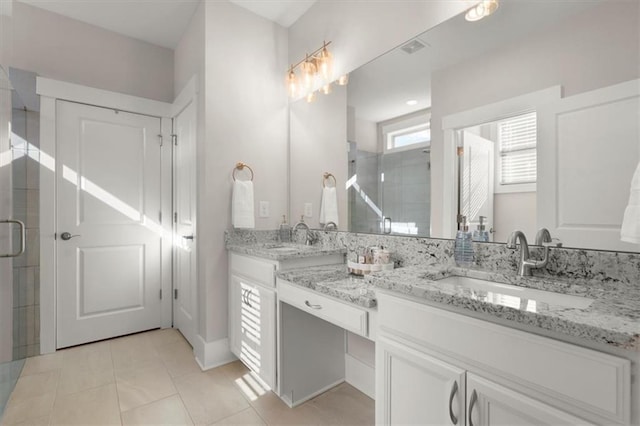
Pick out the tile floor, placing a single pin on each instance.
(152, 378)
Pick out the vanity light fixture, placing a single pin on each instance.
(481, 10)
(316, 68)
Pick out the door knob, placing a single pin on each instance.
(188, 237)
(67, 236)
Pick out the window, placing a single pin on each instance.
(517, 159)
(415, 135)
(406, 132)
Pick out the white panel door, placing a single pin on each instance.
(185, 303)
(477, 180)
(489, 404)
(588, 149)
(413, 388)
(108, 167)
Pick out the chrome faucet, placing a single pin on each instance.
(526, 264)
(309, 237)
(330, 225)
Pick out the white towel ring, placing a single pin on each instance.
(241, 166)
(326, 177)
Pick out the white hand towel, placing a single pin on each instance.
(242, 215)
(630, 231)
(329, 206)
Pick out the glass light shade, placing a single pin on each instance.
(481, 10)
(343, 80)
(326, 89)
(309, 71)
(325, 64)
(311, 96)
(292, 83)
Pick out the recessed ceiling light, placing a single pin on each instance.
(412, 102)
(483, 9)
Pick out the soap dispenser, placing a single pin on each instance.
(285, 230)
(463, 249)
(481, 234)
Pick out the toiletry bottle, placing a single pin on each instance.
(481, 234)
(285, 230)
(463, 250)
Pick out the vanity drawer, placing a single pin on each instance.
(334, 311)
(260, 271)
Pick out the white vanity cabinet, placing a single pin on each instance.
(439, 367)
(252, 315)
(417, 389)
(252, 308)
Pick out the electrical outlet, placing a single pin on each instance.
(264, 209)
(308, 210)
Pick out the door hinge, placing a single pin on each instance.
(175, 217)
(175, 139)
(160, 294)
(175, 293)
(161, 139)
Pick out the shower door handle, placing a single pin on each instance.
(22, 237)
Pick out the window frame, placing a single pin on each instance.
(509, 188)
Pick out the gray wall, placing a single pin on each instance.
(61, 48)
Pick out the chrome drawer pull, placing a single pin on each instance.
(306, 302)
(474, 399)
(454, 390)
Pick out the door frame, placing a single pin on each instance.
(187, 96)
(50, 92)
(483, 114)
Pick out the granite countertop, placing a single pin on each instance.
(283, 251)
(334, 281)
(612, 318)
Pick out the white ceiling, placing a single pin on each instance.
(284, 12)
(161, 22)
(380, 89)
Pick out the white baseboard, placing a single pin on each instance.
(212, 354)
(290, 404)
(360, 375)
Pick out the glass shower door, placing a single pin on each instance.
(19, 226)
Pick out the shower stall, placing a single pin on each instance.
(19, 226)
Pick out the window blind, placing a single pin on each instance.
(517, 142)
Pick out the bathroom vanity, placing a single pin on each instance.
(452, 346)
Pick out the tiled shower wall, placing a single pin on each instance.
(26, 268)
(404, 196)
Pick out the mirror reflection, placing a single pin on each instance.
(500, 119)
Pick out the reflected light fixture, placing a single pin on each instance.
(481, 10)
(315, 69)
(412, 102)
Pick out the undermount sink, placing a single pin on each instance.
(511, 295)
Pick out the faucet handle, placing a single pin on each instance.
(555, 242)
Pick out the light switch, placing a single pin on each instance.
(264, 209)
(308, 210)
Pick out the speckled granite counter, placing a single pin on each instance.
(612, 318)
(283, 251)
(335, 281)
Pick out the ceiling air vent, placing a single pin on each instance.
(413, 46)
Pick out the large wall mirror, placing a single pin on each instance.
(528, 118)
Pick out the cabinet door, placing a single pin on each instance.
(235, 320)
(493, 404)
(259, 316)
(413, 388)
(252, 325)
